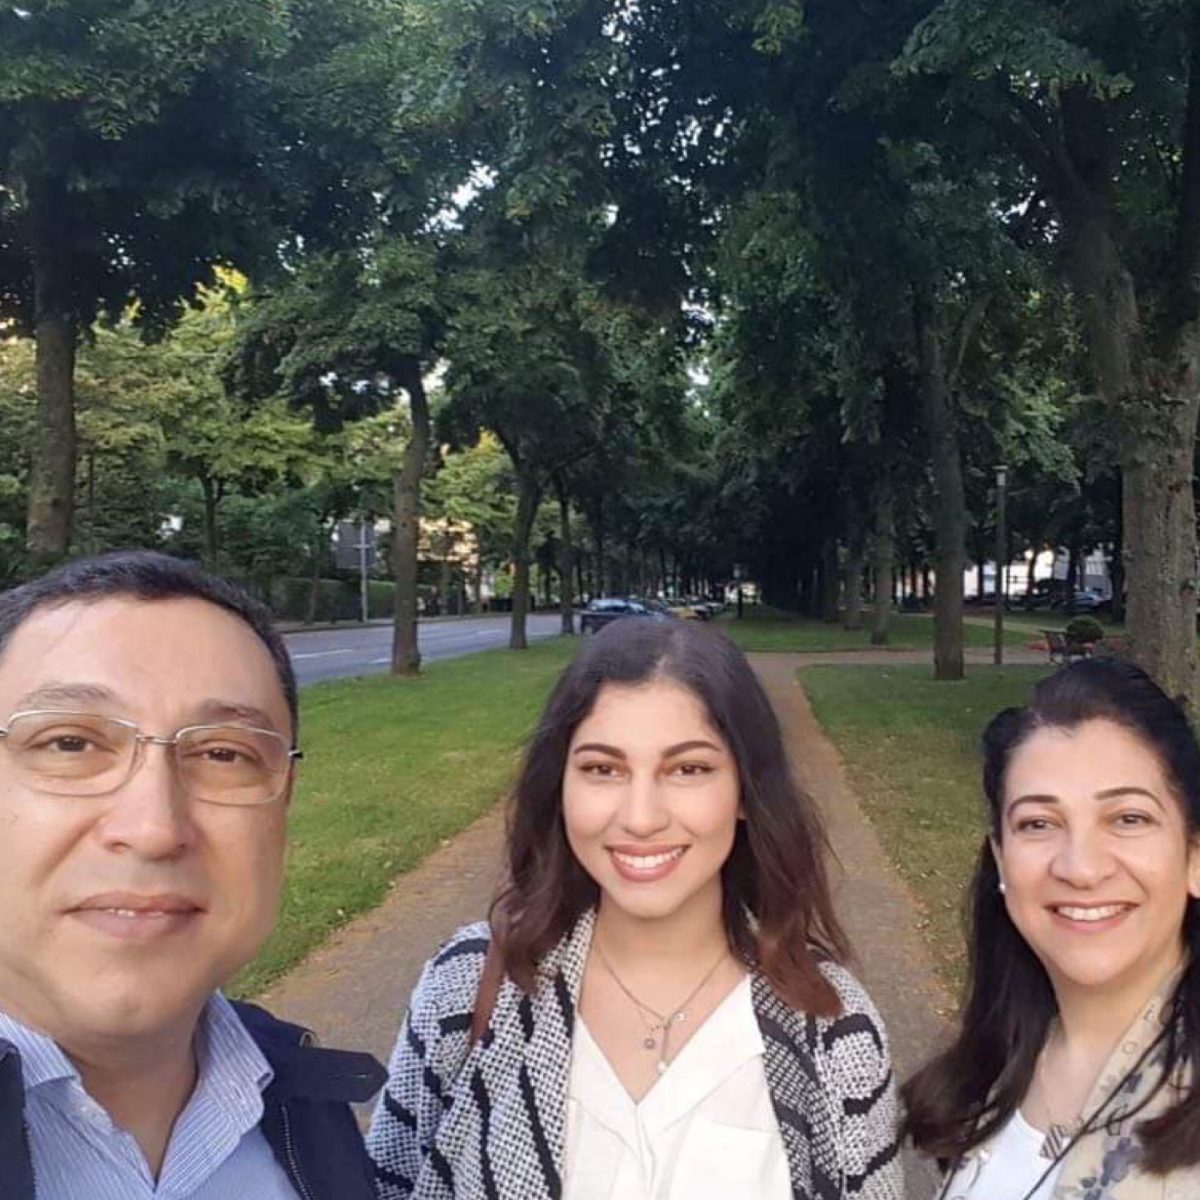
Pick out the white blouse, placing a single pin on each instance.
(706, 1130)
(1009, 1165)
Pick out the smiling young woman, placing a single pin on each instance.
(655, 1009)
(1074, 1073)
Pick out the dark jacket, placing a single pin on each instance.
(306, 1113)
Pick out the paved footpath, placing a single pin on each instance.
(354, 990)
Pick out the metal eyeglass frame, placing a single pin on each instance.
(140, 740)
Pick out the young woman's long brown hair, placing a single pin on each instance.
(777, 909)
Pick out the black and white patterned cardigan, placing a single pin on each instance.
(489, 1122)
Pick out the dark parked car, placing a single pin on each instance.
(1088, 601)
(1055, 593)
(604, 609)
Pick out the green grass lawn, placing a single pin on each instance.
(768, 629)
(910, 746)
(391, 768)
(1053, 618)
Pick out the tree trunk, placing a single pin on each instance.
(600, 583)
(52, 463)
(1073, 557)
(1116, 577)
(444, 579)
(479, 583)
(1159, 540)
(567, 564)
(950, 509)
(406, 654)
(830, 584)
(314, 577)
(1145, 359)
(855, 564)
(884, 556)
(528, 495)
(1156, 402)
(212, 537)
(92, 544)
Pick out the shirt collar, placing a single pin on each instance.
(227, 1056)
(41, 1060)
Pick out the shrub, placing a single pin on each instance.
(1084, 629)
(337, 599)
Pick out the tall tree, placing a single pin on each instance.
(140, 145)
(347, 335)
(1099, 105)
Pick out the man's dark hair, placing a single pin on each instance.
(146, 575)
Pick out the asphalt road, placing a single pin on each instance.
(337, 653)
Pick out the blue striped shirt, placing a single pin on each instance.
(216, 1151)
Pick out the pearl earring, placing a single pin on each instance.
(1001, 888)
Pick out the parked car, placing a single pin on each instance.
(604, 609)
(1084, 601)
(685, 610)
(704, 609)
(667, 608)
(1045, 593)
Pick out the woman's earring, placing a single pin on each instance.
(1001, 888)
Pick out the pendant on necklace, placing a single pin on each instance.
(1055, 1141)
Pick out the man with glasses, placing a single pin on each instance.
(147, 756)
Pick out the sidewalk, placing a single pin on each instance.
(876, 908)
(354, 990)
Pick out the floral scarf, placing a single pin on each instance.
(1103, 1165)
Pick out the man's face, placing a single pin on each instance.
(122, 912)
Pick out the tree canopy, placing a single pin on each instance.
(637, 292)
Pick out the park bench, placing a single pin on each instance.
(1064, 649)
(1113, 646)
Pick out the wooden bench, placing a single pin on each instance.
(1064, 649)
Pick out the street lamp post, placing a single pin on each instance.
(364, 591)
(1001, 556)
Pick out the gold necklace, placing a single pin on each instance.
(662, 1022)
(1058, 1133)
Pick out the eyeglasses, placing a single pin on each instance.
(83, 754)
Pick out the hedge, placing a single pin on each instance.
(337, 599)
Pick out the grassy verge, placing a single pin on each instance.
(391, 768)
(1054, 618)
(910, 746)
(771, 630)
